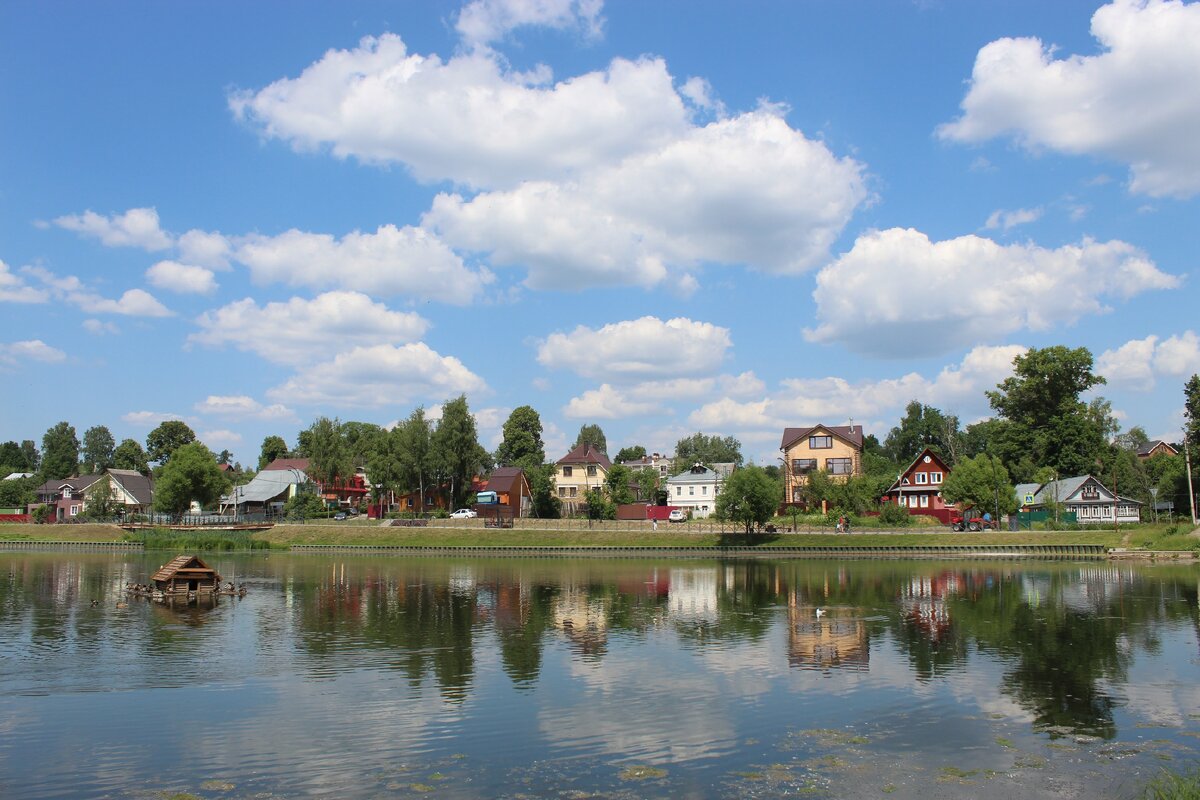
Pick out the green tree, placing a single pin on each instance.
(707, 450)
(647, 480)
(33, 459)
(303, 444)
(12, 459)
(190, 474)
(60, 451)
(98, 447)
(981, 482)
(922, 426)
(598, 506)
(522, 444)
(593, 435)
(329, 457)
(17, 493)
(1133, 439)
(1048, 425)
(633, 453)
(166, 439)
(361, 439)
(130, 455)
(273, 447)
(617, 481)
(456, 448)
(749, 497)
(415, 454)
(101, 503)
(384, 466)
(546, 504)
(1191, 411)
(224, 457)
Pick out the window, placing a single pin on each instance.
(566, 472)
(74, 510)
(691, 490)
(562, 491)
(820, 442)
(591, 470)
(703, 490)
(838, 466)
(935, 477)
(921, 477)
(1090, 493)
(678, 491)
(797, 494)
(924, 501)
(801, 466)
(573, 489)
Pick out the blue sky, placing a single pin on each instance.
(657, 217)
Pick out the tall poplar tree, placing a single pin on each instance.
(456, 448)
(98, 447)
(522, 445)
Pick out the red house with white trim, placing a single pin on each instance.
(919, 488)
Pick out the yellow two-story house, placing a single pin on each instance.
(582, 469)
(837, 449)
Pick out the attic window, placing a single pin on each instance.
(820, 442)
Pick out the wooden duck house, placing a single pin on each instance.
(185, 575)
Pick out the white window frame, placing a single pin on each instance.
(935, 478)
(924, 501)
(922, 477)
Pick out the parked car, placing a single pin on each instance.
(464, 513)
(677, 515)
(340, 515)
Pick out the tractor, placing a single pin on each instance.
(966, 521)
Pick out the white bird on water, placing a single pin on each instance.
(820, 613)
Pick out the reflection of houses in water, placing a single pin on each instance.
(923, 602)
(828, 641)
(582, 619)
(692, 595)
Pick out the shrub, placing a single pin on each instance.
(894, 515)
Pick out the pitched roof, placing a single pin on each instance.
(586, 454)
(1062, 490)
(189, 563)
(909, 469)
(265, 486)
(504, 479)
(848, 433)
(77, 483)
(1148, 447)
(698, 473)
(140, 486)
(288, 463)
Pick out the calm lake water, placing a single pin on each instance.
(359, 676)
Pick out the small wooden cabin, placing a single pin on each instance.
(184, 575)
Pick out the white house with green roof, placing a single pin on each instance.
(696, 489)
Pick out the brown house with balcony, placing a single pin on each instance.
(837, 449)
(919, 488)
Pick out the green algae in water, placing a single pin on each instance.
(891, 787)
(217, 786)
(641, 773)
(955, 772)
(833, 738)
(1003, 742)
(420, 787)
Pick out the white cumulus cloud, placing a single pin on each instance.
(99, 328)
(484, 21)
(220, 439)
(640, 349)
(1137, 363)
(886, 295)
(70, 289)
(205, 248)
(956, 389)
(30, 350)
(181, 278)
(743, 190)
(291, 332)
(467, 119)
(381, 375)
(148, 419)
(1137, 101)
(607, 402)
(14, 289)
(1010, 219)
(243, 407)
(391, 261)
(137, 227)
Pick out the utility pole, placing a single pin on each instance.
(1187, 459)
